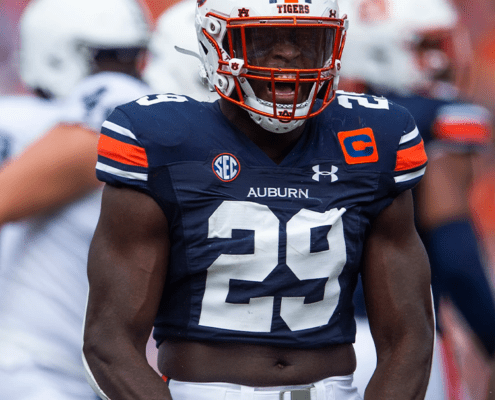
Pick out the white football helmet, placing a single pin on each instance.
(235, 37)
(399, 45)
(58, 38)
(167, 70)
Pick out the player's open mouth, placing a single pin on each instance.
(284, 91)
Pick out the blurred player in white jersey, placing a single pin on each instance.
(89, 54)
(169, 70)
(17, 131)
(404, 50)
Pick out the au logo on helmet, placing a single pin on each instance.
(226, 167)
(244, 12)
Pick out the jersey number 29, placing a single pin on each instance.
(256, 316)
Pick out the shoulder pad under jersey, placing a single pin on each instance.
(134, 131)
(377, 134)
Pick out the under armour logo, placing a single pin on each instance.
(243, 12)
(333, 14)
(333, 174)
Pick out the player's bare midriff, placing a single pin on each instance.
(253, 365)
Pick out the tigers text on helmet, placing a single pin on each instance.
(271, 57)
(400, 45)
(59, 38)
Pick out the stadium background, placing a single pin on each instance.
(477, 83)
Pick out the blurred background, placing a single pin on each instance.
(475, 61)
(470, 48)
(10, 11)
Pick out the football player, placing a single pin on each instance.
(238, 228)
(87, 54)
(404, 51)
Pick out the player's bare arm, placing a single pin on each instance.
(56, 169)
(442, 195)
(396, 279)
(126, 270)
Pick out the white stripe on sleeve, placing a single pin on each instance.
(409, 136)
(118, 129)
(410, 176)
(123, 174)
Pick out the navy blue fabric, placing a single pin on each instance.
(183, 140)
(457, 273)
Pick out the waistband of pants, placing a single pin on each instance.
(333, 388)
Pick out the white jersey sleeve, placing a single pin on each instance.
(169, 71)
(95, 97)
(23, 119)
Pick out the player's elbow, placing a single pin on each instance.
(420, 330)
(93, 365)
(423, 343)
(91, 349)
(409, 339)
(418, 342)
(93, 354)
(96, 350)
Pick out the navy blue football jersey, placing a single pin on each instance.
(457, 123)
(262, 252)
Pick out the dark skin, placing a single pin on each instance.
(275, 145)
(396, 282)
(127, 268)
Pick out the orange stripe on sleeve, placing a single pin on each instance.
(122, 152)
(463, 132)
(411, 158)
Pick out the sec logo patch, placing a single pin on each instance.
(359, 146)
(226, 167)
